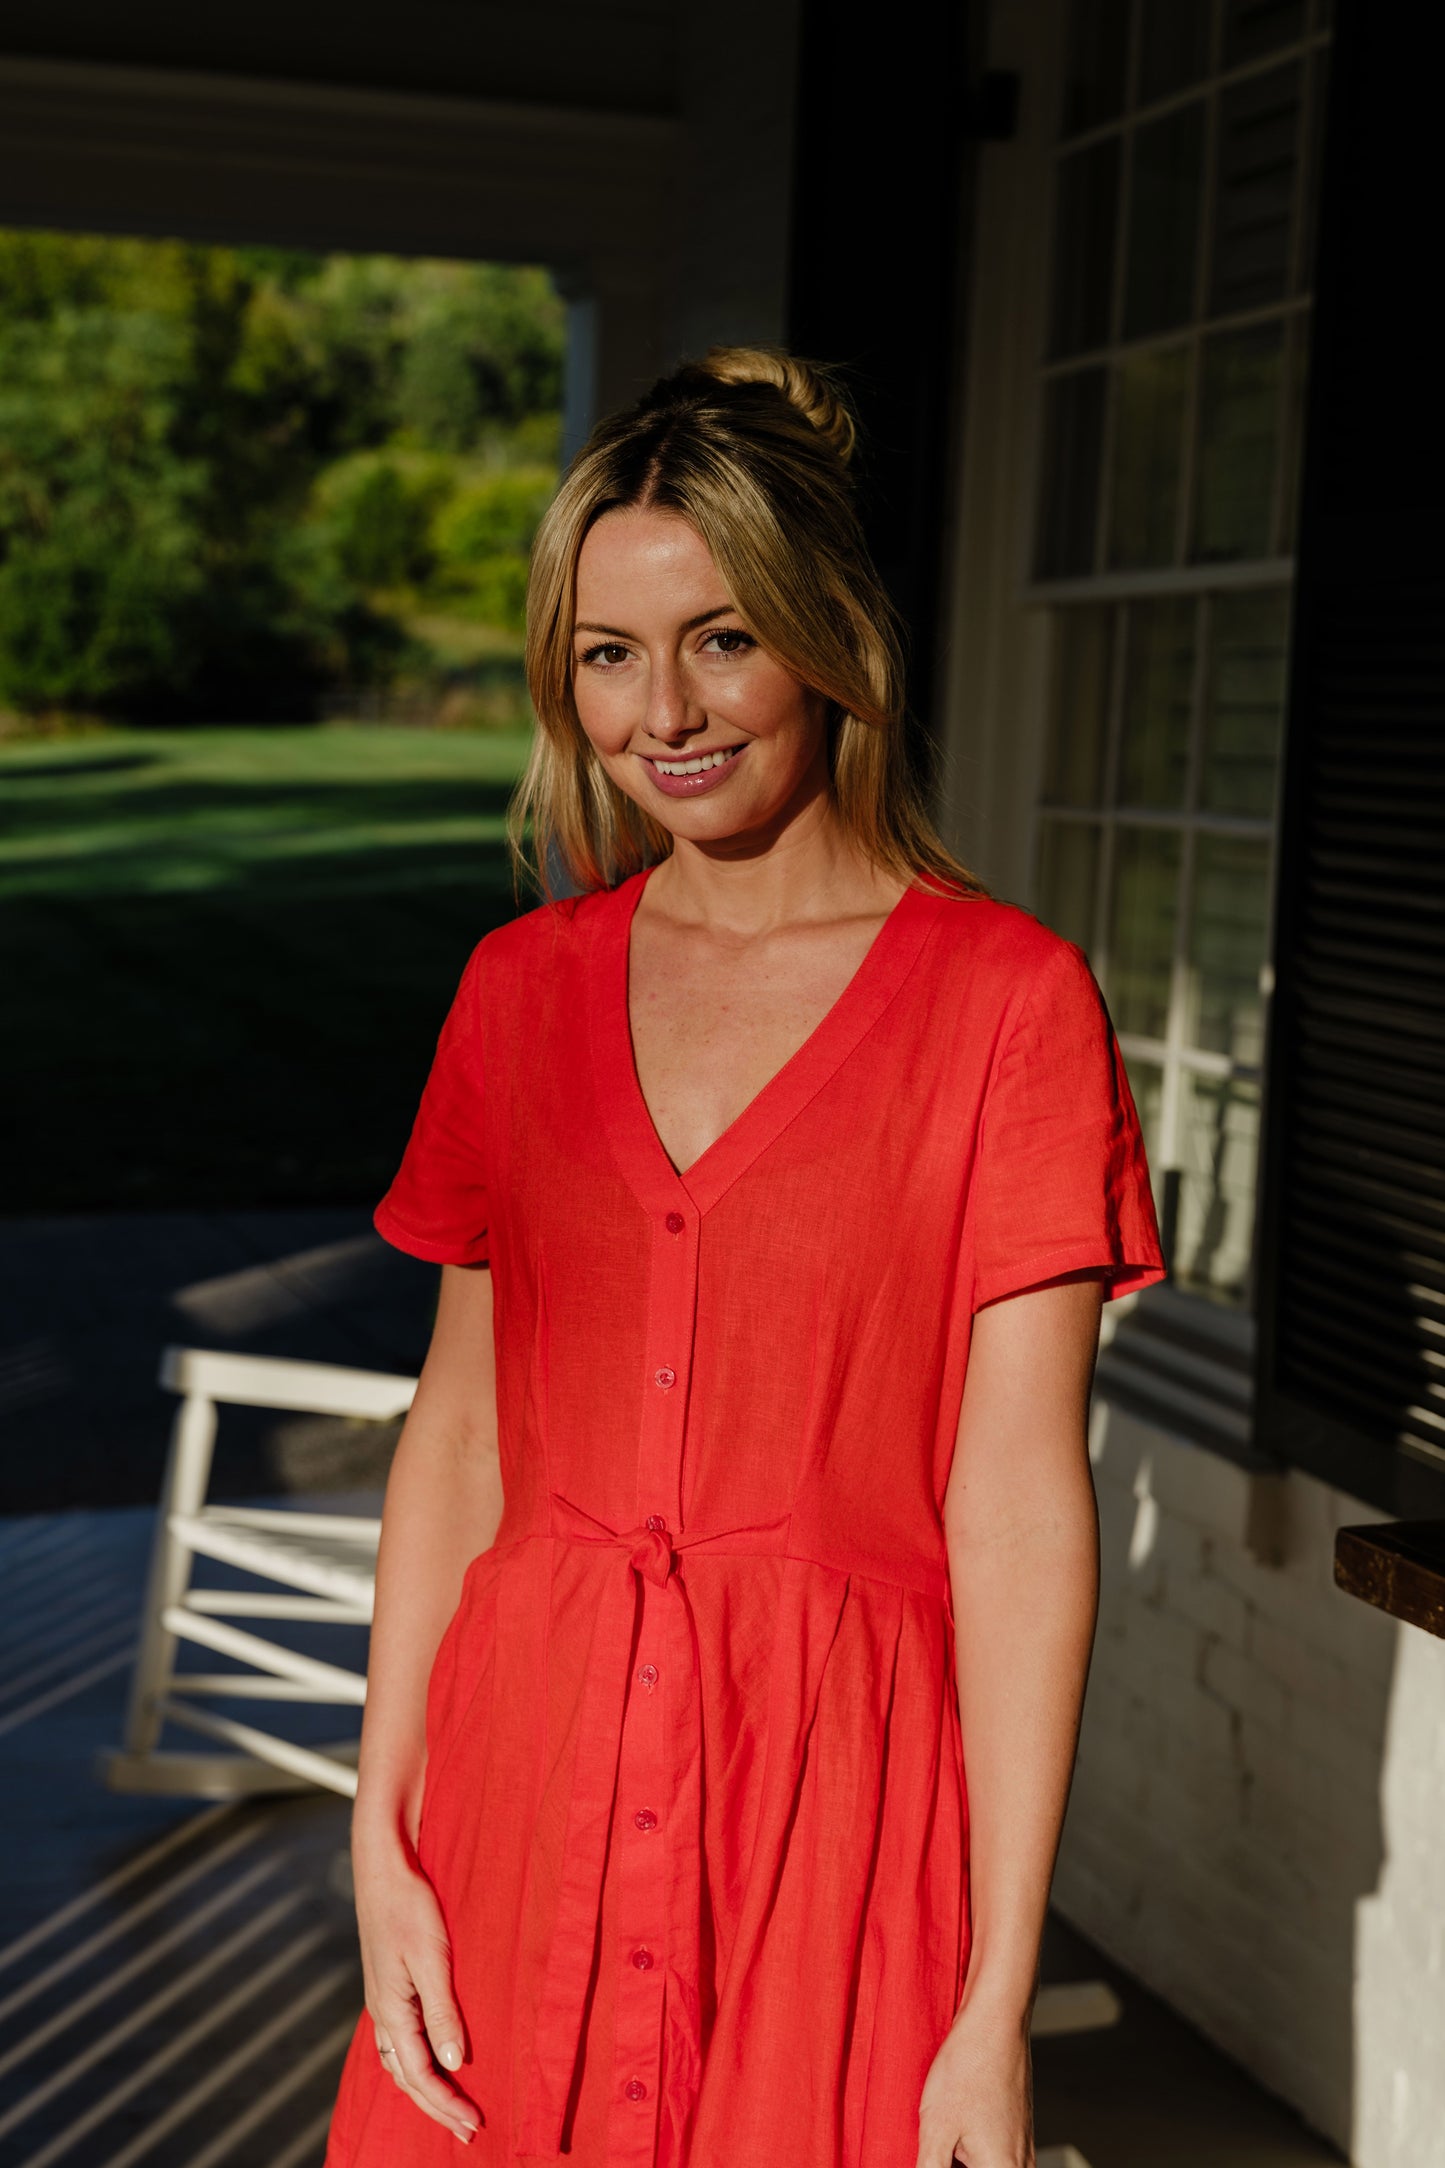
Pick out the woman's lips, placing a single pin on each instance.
(694, 786)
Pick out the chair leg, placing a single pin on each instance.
(188, 1474)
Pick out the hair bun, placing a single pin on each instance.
(806, 386)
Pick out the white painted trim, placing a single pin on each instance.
(238, 159)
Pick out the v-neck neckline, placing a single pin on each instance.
(639, 1149)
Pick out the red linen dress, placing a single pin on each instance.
(695, 1806)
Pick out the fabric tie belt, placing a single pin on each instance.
(652, 1552)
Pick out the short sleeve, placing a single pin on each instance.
(1062, 1182)
(436, 1207)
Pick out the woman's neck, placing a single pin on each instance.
(809, 870)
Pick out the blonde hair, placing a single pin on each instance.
(752, 446)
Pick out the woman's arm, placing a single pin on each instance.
(1022, 1534)
(443, 1506)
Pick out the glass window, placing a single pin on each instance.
(1143, 908)
(1229, 922)
(1085, 218)
(1079, 710)
(1253, 28)
(1164, 200)
(1073, 448)
(1069, 877)
(1146, 1083)
(1239, 431)
(1218, 1155)
(1259, 128)
(1097, 63)
(1244, 702)
(1184, 250)
(1151, 391)
(1174, 39)
(1158, 696)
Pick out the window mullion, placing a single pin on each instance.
(1103, 897)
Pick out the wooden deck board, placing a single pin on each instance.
(177, 1982)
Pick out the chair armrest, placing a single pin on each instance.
(273, 1381)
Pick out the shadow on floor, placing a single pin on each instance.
(1151, 2092)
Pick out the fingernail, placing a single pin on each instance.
(449, 2055)
(466, 2133)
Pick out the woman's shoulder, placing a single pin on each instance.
(998, 944)
(1012, 983)
(537, 941)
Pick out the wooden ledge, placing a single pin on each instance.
(1399, 1566)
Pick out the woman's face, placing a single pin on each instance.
(687, 713)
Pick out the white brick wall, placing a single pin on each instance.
(1257, 1828)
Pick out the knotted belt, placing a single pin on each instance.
(651, 1551)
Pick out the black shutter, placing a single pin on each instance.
(1352, 1339)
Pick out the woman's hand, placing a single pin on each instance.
(407, 1963)
(977, 2103)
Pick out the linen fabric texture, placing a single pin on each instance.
(695, 1804)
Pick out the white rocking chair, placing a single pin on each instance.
(324, 1563)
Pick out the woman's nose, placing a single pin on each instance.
(670, 713)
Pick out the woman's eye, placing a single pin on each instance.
(607, 654)
(731, 641)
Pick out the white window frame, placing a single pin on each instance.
(1001, 620)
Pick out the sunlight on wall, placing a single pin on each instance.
(1146, 1517)
(1399, 2118)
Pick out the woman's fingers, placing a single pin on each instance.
(406, 2053)
(432, 1974)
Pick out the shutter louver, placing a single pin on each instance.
(1352, 1323)
(1360, 1327)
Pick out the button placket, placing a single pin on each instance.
(641, 1944)
(645, 1778)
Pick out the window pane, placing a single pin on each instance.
(1068, 876)
(1098, 57)
(1259, 126)
(1255, 27)
(1173, 46)
(1151, 390)
(1158, 690)
(1078, 721)
(1224, 1010)
(1144, 907)
(1219, 1151)
(1146, 1083)
(1085, 216)
(1239, 444)
(1244, 702)
(1164, 222)
(1073, 446)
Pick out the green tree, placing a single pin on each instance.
(187, 520)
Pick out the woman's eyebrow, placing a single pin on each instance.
(615, 632)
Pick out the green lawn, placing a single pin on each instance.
(225, 954)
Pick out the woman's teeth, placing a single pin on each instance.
(698, 766)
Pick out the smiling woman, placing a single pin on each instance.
(748, 454)
(756, 1507)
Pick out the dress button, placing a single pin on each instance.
(665, 1378)
(648, 1676)
(643, 1960)
(635, 2089)
(675, 1223)
(657, 1524)
(645, 1818)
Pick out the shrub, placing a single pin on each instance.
(378, 512)
(481, 538)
